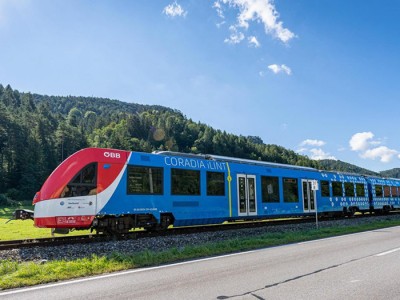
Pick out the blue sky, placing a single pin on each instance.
(316, 76)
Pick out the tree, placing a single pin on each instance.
(89, 121)
(74, 117)
(37, 132)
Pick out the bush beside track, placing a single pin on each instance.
(39, 265)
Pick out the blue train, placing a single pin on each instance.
(114, 191)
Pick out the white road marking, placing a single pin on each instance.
(23, 290)
(388, 252)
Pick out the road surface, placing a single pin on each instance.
(358, 266)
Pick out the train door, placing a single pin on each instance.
(370, 196)
(308, 195)
(247, 197)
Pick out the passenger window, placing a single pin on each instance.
(394, 191)
(360, 190)
(386, 191)
(378, 191)
(145, 180)
(337, 189)
(270, 189)
(83, 184)
(349, 189)
(185, 182)
(290, 190)
(325, 188)
(215, 184)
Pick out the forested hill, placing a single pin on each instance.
(393, 173)
(37, 132)
(337, 165)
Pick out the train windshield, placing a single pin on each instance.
(83, 184)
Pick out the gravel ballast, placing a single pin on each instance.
(75, 251)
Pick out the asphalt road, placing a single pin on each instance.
(358, 266)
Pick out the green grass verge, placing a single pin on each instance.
(20, 230)
(14, 274)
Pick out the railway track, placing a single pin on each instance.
(92, 238)
(43, 242)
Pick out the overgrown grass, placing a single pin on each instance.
(13, 274)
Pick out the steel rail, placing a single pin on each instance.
(239, 224)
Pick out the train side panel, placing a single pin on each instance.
(384, 193)
(131, 197)
(133, 189)
(343, 192)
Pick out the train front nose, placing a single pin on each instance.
(36, 198)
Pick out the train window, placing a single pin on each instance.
(290, 190)
(215, 184)
(325, 188)
(360, 190)
(386, 191)
(185, 182)
(270, 189)
(394, 191)
(349, 189)
(145, 180)
(378, 191)
(83, 184)
(337, 189)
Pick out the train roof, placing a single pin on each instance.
(233, 160)
(262, 163)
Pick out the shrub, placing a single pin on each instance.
(14, 194)
(4, 201)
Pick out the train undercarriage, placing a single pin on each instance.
(123, 224)
(117, 225)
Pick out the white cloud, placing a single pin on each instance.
(301, 150)
(174, 10)
(319, 154)
(361, 141)
(365, 144)
(219, 10)
(236, 36)
(316, 152)
(384, 154)
(220, 13)
(280, 69)
(261, 11)
(253, 41)
(309, 142)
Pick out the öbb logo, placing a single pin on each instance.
(112, 155)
